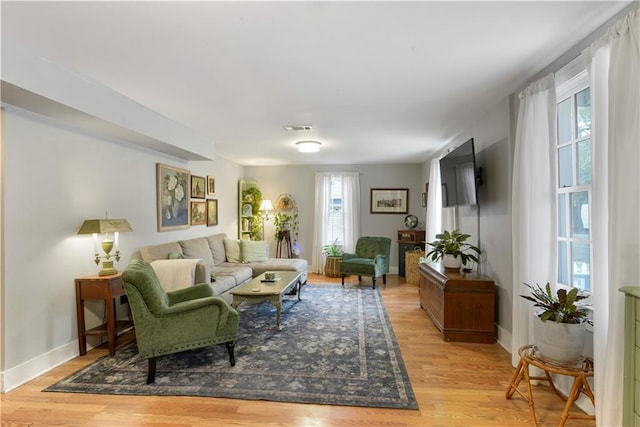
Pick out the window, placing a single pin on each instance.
(574, 179)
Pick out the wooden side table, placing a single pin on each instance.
(284, 236)
(581, 371)
(107, 288)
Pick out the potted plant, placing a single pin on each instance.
(450, 246)
(560, 325)
(332, 250)
(334, 256)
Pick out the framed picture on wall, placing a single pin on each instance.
(389, 201)
(173, 186)
(198, 187)
(198, 213)
(211, 186)
(212, 212)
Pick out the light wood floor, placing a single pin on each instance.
(455, 384)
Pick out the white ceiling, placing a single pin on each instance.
(380, 82)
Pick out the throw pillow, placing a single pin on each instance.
(175, 255)
(232, 249)
(253, 250)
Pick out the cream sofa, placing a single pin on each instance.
(222, 262)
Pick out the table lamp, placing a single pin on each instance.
(105, 226)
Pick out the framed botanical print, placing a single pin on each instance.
(212, 212)
(198, 213)
(389, 200)
(211, 186)
(198, 187)
(173, 186)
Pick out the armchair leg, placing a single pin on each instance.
(151, 375)
(230, 348)
(373, 279)
(343, 280)
(359, 278)
(384, 279)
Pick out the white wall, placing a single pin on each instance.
(55, 177)
(299, 181)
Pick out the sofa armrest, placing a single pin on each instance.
(346, 256)
(193, 292)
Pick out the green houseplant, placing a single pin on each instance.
(253, 196)
(560, 324)
(452, 248)
(332, 250)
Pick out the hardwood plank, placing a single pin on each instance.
(454, 383)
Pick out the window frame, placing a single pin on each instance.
(568, 90)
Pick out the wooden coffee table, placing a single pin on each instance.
(258, 290)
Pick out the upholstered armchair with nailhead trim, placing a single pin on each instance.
(171, 322)
(371, 258)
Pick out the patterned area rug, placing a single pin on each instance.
(336, 347)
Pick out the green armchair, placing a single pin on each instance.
(171, 322)
(370, 259)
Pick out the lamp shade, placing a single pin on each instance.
(266, 205)
(308, 146)
(101, 226)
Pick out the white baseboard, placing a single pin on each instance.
(37, 366)
(504, 339)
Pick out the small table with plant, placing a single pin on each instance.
(559, 327)
(580, 370)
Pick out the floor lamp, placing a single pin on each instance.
(266, 207)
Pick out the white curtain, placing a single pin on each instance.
(434, 203)
(350, 214)
(613, 63)
(322, 204)
(350, 209)
(533, 202)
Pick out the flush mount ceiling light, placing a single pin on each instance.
(308, 146)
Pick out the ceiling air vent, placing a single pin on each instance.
(292, 128)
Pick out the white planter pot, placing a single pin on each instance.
(450, 262)
(559, 343)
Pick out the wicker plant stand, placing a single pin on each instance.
(581, 371)
(332, 266)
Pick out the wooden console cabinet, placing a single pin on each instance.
(461, 305)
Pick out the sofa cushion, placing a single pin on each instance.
(152, 253)
(197, 248)
(279, 264)
(223, 284)
(253, 251)
(239, 272)
(216, 245)
(232, 249)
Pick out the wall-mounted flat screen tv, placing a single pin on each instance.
(458, 176)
